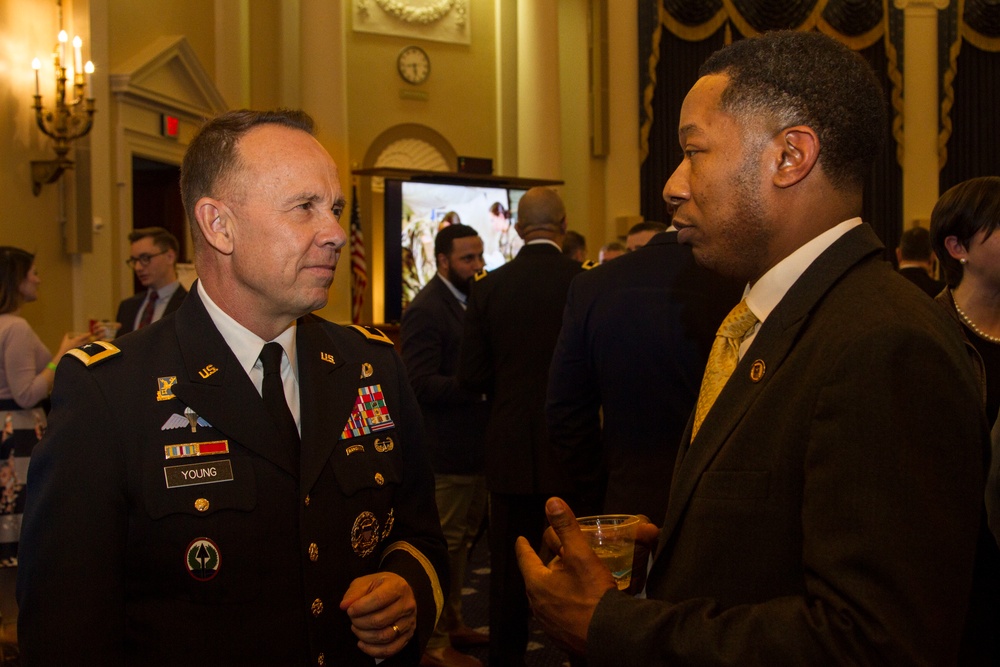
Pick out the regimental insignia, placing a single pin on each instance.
(387, 528)
(369, 414)
(327, 357)
(208, 371)
(480, 274)
(187, 419)
(757, 371)
(364, 534)
(94, 353)
(366, 370)
(185, 450)
(202, 559)
(354, 449)
(371, 334)
(383, 445)
(165, 388)
(589, 264)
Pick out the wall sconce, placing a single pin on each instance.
(66, 121)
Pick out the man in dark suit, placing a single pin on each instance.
(431, 333)
(154, 260)
(825, 508)
(634, 340)
(511, 328)
(260, 491)
(916, 260)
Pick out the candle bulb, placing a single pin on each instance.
(63, 38)
(89, 69)
(36, 65)
(77, 60)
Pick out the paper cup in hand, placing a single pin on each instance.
(612, 537)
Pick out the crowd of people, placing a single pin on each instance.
(804, 431)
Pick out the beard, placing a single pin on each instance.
(460, 283)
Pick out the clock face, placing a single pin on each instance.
(413, 65)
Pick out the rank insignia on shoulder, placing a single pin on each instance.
(480, 274)
(589, 264)
(94, 353)
(372, 334)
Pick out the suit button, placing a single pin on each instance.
(201, 504)
(313, 552)
(321, 659)
(307, 501)
(317, 607)
(379, 479)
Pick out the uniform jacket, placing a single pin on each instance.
(511, 326)
(635, 337)
(431, 332)
(827, 512)
(129, 308)
(117, 558)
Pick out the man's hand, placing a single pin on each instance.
(564, 594)
(383, 613)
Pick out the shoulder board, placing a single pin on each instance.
(372, 334)
(589, 264)
(481, 274)
(94, 353)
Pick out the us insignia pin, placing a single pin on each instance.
(164, 388)
(364, 534)
(208, 371)
(327, 357)
(202, 559)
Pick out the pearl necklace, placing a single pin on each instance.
(972, 325)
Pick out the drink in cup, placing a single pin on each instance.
(612, 537)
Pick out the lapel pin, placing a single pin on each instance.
(208, 371)
(327, 357)
(757, 371)
(164, 387)
(366, 370)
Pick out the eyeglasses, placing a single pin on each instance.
(144, 259)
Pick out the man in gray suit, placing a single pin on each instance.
(827, 509)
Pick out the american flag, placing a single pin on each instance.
(359, 268)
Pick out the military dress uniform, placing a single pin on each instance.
(166, 527)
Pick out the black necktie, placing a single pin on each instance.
(273, 393)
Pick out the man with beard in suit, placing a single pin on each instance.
(244, 482)
(431, 333)
(825, 504)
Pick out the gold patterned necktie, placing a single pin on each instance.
(722, 359)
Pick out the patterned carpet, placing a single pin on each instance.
(475, 609)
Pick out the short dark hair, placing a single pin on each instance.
(647, 226)
(572, 242)
(963, 211)
(496, 208)
(806, 78)
(14, 266)
(445, 239)
(212, 160)
(162, 238)
(915, 245)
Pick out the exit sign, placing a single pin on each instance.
(169, 126)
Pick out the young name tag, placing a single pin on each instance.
(208, 472)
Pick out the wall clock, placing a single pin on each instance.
(413, 65)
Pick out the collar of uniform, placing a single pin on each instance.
(541, 241)
(767, 292)
(244, 343)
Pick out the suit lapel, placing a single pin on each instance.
(452, 304)
(771, 346)
(328, 389)
(218, 389)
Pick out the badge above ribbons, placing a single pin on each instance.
(369, 414)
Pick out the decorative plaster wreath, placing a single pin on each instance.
(425, 14)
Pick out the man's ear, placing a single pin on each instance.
(215, 221)
(798, 151)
